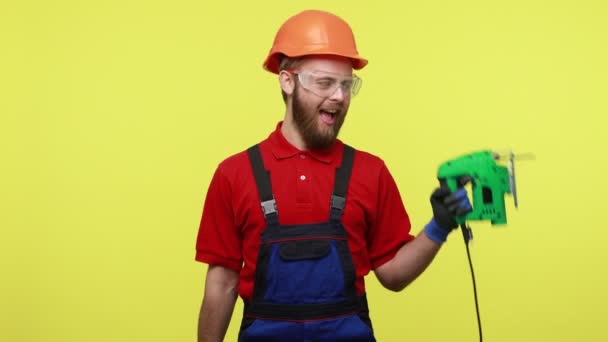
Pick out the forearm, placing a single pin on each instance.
(409, 262)
(218, 304)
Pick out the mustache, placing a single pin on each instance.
(337, 109)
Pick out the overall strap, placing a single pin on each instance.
(262, 180)
(338, 198)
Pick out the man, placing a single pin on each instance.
(294, 223)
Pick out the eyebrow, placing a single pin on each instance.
(328, 78)
(331, 73)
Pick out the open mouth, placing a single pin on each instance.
(328, 116)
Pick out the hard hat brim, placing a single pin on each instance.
(273, 60)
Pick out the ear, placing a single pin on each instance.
(287, 82)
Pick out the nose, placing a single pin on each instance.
(338, 95)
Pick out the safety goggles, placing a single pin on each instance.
(325, 84)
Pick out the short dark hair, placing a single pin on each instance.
(288, 63)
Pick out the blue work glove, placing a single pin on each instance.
(447, 206)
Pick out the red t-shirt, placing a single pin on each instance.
(302, 183)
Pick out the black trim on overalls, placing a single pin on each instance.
(338, 198)
(262, 180)
(269, 205)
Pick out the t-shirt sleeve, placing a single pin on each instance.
(218, 241)
(390, 228)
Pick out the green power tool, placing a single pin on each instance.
(490, 182)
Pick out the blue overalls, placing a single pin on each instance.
(304, 287)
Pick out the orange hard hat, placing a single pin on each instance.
(314, 32)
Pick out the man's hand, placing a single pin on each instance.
(447, 206)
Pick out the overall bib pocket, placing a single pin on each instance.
(304, 271)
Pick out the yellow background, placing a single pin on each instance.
(114, 114)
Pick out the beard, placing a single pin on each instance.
(306, 119)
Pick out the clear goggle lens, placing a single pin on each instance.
(325, 84)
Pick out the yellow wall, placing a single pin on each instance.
(113, 115)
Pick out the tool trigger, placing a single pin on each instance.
(464, 180)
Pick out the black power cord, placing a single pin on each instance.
(468, 235)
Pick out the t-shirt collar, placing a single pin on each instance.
(281, 148)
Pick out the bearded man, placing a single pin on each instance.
(293, 224)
